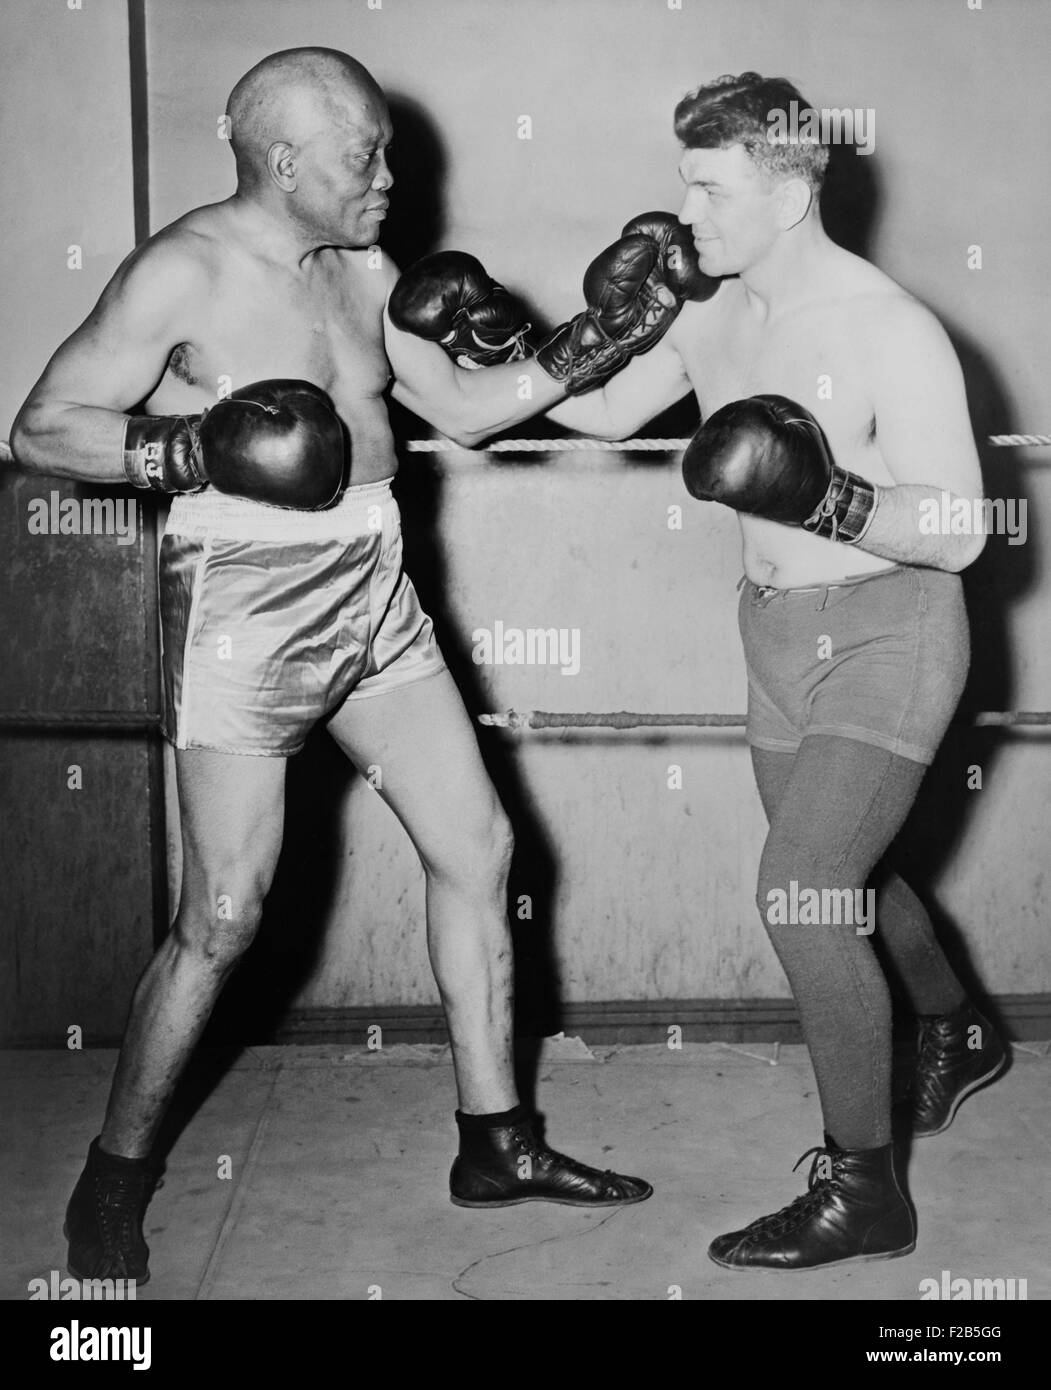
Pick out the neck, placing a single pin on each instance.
(272, 233)
(788, 272)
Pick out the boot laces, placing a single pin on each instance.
(934, 1051)
(120, 1200)
(546, 1157)
(804, 1206)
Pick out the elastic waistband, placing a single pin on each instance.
(366, 507)
(762, 594)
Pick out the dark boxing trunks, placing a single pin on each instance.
(882, 659)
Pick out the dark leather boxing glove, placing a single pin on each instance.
(634, 292)
(278, 442)
(678, 257)
(767, 456)
(449, 299)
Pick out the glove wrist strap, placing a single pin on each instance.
(845, 512)
(144, 453)
(143, 459)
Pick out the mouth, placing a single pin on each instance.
(378, 209)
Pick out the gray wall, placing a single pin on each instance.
(646, 892)
(75, 870)
(641, 892)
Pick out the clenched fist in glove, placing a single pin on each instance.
(768, 456)
(449, 299)
(278, 442)
(634, 292)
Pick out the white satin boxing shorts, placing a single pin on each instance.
(270, 619)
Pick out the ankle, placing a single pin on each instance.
(497, 1119)
(113, 1157)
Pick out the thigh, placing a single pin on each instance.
(231, 816)
(772, 774)
(431, 774)
(840, 807)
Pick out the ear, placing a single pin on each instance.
(281, 166)
(794, 202)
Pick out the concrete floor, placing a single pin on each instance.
(340, 1159)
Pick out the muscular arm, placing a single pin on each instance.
(924, 434)
(468, 406)
(72, 423)
(646, 386)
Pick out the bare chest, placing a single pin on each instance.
(326, 329)
(808, 357)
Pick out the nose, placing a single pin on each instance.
(384, 179)
(693, 210)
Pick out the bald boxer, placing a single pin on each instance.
(283, 542)
(834, 411)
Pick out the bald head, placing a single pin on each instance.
(292, 98)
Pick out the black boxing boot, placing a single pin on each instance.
(958, 1053)
(853, 1209)
(502, 1162)
(104, 1217)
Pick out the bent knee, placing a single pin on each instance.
(479, 856)
(219, 922)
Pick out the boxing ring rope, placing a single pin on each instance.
(128, 721)
(118, 721)
(626, 719)
(643, 446)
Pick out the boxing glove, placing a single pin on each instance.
(449, 299)
(277, 442)
(634, 291)
(678, 258)
(767, 456)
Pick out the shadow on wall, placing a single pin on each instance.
(1002, 573)
(418, 161)
(850, 208)
(287, 949)
(850, 199)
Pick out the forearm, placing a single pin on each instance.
(912, 524)
(648, 385)
(633, 290)
(70, 441)
(587, 414)
(473, 405)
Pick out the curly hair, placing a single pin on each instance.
(740, 111)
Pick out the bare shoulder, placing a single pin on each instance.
(373, 270)
(700, 317)
(882, 316)
(180, 262)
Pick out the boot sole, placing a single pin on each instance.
(556, 1201)
(975, 1085)
(77, 1275)
(809, 1269)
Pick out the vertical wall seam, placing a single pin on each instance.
(138, 91)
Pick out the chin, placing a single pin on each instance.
(357, 240)
(721, 266)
